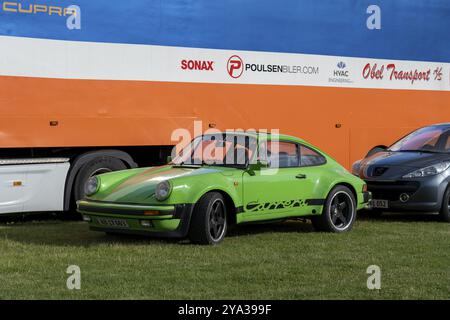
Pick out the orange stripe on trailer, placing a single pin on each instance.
(38, 112)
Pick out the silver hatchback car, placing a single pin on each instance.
(411, 175)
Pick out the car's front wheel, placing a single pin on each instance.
(339, 212)
(444, 213)
(209, 220)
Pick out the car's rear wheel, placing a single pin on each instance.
(209, 220)
(444, 214)
(339, 212)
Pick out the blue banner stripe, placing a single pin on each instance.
(410, 30)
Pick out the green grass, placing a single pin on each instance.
(277, 261)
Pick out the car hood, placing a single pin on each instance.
(392, 165)
(140, 188)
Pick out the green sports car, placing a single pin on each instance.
(223, 179)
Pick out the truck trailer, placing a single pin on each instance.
(88, 87)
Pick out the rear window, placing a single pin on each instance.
(283, 154)
(309, 157)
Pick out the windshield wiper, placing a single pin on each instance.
(184, 164)
(191, 164)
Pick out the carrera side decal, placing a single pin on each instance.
(277, 205)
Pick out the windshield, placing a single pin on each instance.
(222, 149)
(429, 139)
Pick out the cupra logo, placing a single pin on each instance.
(235, 66)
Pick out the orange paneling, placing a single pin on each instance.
(111, 113)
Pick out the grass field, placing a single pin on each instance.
(277, 261)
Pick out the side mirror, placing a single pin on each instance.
(169, 159)
(257, 166)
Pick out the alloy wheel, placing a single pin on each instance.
(341, 210)
(217, 220)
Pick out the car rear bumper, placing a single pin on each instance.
(363, 200)
(166, 221)
(423, 194)
(367, 196)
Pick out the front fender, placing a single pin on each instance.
(191, 189)
(109, 181)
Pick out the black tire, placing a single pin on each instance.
(97, 166)
(444, 213)
(339, 212)
(94, 167)
(209, 220)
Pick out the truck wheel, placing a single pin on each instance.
(92, 168)
(444, 214)
(209, 220)
(339, 212)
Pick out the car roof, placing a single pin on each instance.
(444, 124)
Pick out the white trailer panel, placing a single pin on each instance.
(32, 185)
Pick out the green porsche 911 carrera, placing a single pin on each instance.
(224, 179)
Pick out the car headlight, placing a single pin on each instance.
(92, 186)
(428, 171)
(163, 190)
(356, 167)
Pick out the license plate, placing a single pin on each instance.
(380, 204)
(115, 223)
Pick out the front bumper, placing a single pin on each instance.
(367, 197)
(172, 220)
(424, 195)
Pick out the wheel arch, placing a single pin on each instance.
(349, 186)
(79, 161)
(375, 149)
(229, 202)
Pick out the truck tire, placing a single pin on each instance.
(339, 212)
(94, 167)
(209, 220)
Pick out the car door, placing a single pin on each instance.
(282, 190)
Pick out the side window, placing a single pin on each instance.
(309, 157)
(282, 154)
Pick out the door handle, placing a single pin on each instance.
(301, 176)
